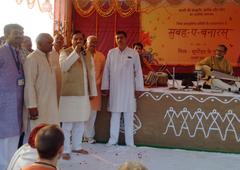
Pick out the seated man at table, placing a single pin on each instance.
(218, 63)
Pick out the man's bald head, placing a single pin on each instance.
(44, 42)
(91, 37)
(42, 37)
(91, 43)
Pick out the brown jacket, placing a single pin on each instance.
(73, 79)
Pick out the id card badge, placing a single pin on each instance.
(20, 81)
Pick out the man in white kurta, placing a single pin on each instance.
(78, 84)
(123, 81)
(40, 90)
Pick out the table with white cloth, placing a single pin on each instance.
(200, 120)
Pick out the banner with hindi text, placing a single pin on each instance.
(185, 33)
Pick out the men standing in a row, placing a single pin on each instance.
(78, 85)
(123, 81)
(40, 89)
(99, 62)
(11, 93)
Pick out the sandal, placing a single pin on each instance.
(82, 151)
(66, 156)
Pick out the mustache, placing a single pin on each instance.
(79, 43)
(18, 37)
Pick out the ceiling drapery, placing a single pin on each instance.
(106, 8)
(124, 8)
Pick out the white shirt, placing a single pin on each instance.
(41, 88)
(122, 76)
(24, 156)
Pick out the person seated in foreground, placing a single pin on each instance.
(130, 165)
(26, 154)
(49, 144)
(218, 63)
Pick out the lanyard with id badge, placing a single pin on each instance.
(20, 79)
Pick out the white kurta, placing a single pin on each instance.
(24, 156)
(122, 76)
(40, 88)
(75, 108)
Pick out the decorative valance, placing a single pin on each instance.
(106, 8)
(125, 8)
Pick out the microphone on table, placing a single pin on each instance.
(173, 79)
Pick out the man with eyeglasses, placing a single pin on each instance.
(220, 64)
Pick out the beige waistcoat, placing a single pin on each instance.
(73, 79)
